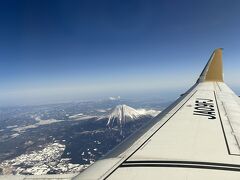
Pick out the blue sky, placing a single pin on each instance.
(66, 50)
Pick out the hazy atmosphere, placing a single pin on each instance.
(60, 50)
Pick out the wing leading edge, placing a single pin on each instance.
(197, 137)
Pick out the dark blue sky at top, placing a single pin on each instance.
(60, 50)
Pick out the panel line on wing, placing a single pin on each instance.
(183, 165)
(224, 133)
(181, 162)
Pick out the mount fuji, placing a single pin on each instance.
(123, 114)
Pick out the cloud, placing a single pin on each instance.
(114, 98)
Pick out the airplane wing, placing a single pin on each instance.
(197, 137)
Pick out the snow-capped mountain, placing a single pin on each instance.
(123, 114)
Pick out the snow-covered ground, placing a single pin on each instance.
(39, 122)
(150, 112)
(41, 162)
(81, 116)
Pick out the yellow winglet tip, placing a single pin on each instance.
(213, 71)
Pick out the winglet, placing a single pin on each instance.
(213, 70)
